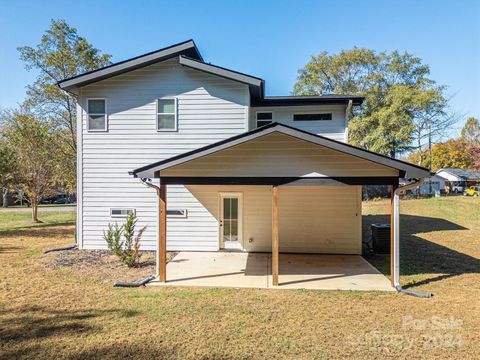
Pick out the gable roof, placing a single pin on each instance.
(187, 48)
(255, 84)
(190, 56)
(462, 174)
(406, 169)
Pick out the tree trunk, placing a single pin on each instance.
(5, 197)
(35, 212)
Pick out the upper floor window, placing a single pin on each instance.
(264, 118)
(312, 117)
(167, 114)
(97, 115)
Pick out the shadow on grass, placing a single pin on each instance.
(420, 256)
(36, 226)
(30, 231)
(37, 322)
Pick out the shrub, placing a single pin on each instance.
(128, 250)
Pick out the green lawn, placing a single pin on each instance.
(11, 220)
(54, 309)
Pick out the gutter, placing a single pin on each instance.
(148, 183)
(396, 241)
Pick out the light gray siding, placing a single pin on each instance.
(210, 108)
(333, 129)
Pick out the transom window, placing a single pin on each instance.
(167, 114)
(97, 115)
(312, 117)
(264, 118)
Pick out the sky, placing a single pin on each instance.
(267, 39)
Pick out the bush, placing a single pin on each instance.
(128, 250)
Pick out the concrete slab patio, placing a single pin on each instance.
(252, 270)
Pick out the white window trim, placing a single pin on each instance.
(121, 216)
(157, 113)
(263, 111)
(106, 116)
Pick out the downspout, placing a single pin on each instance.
(396, 241)
(348, 111)
(148, 183)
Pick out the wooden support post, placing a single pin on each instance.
(392, 230)
(275, 235)
(162, 232)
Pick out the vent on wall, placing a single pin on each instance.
(123, 213)
(179, 213)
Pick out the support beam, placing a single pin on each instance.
(392, 231)
(275, 235)
(162, 232)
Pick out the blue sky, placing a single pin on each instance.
(268, 39)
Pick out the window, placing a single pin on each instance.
(167, 114)
(123, 213)
(264, 118)
(180, 213)
(312, 117)
(97, 114)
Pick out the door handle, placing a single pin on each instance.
(221, 223)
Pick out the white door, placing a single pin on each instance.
(231, 211)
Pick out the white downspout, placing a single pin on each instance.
(148, 183)
(396, 240)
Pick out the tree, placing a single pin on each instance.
(471, 132)
(7, 167)
(61, 54)
(452, 153)
(475, 154)
(34, 151)
(400, 99)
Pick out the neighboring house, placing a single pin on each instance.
(222, 150)
(457, 180)
(432, 185)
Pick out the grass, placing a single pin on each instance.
(74, 312)
(16, 220)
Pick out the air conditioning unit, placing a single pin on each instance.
(381, 238)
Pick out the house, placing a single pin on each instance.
(241, 170)
(431, 185)
(457, 180)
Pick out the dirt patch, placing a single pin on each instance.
(101, 264)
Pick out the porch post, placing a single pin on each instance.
(392, 231)
(275, 235)
(162, 232)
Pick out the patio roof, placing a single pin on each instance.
(296, 157)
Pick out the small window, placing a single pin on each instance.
(264, 118)
(97, 115)
(312, 117)
(179, 213)
(167, 114)
(123, 213)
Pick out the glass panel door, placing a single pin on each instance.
(230, 221)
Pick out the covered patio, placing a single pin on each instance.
(253, 270)
(279, 157)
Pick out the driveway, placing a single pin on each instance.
(253, 270)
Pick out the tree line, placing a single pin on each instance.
(38, 140)
(405, 112)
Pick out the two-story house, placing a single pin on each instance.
(241, 170)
